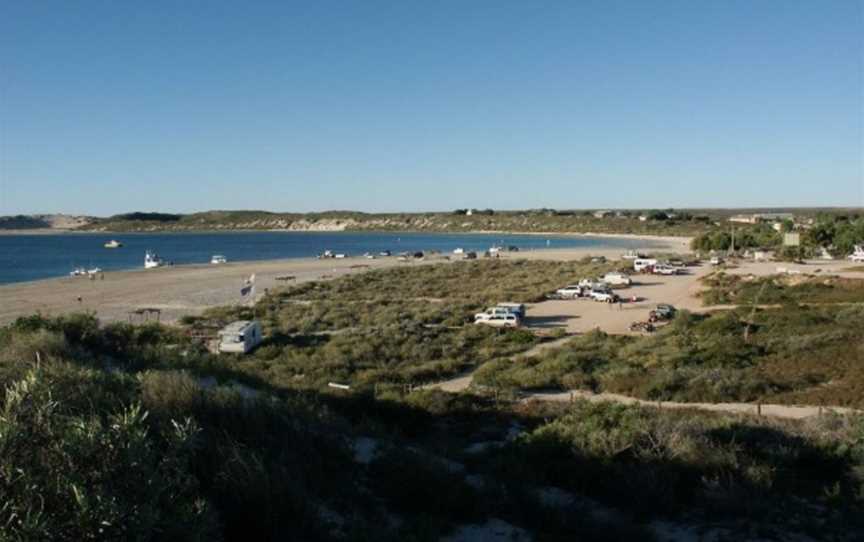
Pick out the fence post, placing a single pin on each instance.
(758, 409)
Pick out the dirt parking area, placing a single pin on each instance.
(581, 315)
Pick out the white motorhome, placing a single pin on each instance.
(240, 337)
(642, 264)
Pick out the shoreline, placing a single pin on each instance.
(634, 236)
(190, 289)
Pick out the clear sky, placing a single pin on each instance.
(114, 106)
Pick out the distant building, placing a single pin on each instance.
(757, 218)
(643, 218)
(469, 212)
(602, 214)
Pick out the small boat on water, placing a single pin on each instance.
(113, 243)
(218, 259)
(152, 260)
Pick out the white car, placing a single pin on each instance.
(617, 279)
(571, 291)
(497, 317)
(604, 296)
(643, 264)
(716, 260)
(665, 270)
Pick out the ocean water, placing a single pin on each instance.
(34, 257)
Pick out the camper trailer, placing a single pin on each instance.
(240, 337)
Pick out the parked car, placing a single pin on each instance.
(663, 311)
(617, 279)
(514, 308)
(587, 284)
(643, 264)
(664, 270)
(604, 296)
(571, 291)
(716, 260)
(498, 317)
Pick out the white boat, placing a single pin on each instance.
(94, 271)
(151, 260)
(459, 250)
(218, 258)
(113, 243)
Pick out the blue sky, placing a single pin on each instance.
(110, 107)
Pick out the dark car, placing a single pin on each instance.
(662, 312)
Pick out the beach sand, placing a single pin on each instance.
(190, 289)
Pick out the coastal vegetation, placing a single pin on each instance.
(838, 233)
(139, 432)
(103, 438)
(794, 340)
(394, 326)
(690, 222)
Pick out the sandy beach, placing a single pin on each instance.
(190, 289)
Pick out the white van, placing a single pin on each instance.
(641, 264)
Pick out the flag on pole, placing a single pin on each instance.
(248, 286)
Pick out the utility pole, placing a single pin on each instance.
(732, 248)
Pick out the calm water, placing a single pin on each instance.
(32, 257)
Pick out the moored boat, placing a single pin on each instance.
(152, 260)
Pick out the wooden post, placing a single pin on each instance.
(758, 409)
